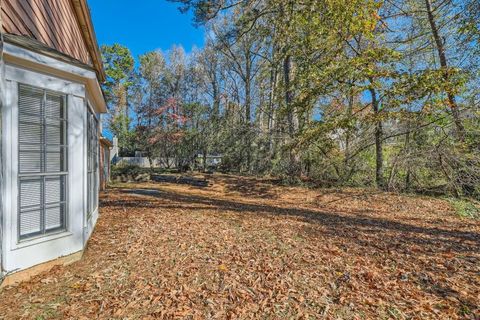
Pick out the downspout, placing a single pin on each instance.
(2, 88)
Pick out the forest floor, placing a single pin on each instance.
(248, 248)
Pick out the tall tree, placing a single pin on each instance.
(347, 92)
(119, 64)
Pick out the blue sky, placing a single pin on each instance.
(143, 25)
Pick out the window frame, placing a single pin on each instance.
(93, 144)
(44, 175)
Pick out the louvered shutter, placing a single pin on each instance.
(42, 138)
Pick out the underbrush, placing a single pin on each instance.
(466, 208)
(134, 170)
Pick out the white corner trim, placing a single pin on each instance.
(38, 62)
(96, 94)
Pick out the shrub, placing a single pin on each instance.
(132, 170)
(466, 208)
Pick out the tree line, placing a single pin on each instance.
(335, 92)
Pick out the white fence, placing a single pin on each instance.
(143, 162)
(164, 163)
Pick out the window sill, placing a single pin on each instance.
(41, 239)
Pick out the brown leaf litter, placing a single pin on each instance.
(245, 248)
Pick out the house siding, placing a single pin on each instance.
(51, 22)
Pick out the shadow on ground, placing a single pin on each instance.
(338, 224)
(249, 187)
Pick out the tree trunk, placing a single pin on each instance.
(440, 46)
(248, 106)
(216, 98)
(379, 179)
(248, 126)
(464, 178)
(150, 162)
(348, 136)
(408, 176)
(204, 160)
(287, 71)
(291, 116)
(271, 108)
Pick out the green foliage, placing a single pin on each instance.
(120, 127)
(127, 170)
(333, 92)
(466, 208)
(471, 20)
(118, 64)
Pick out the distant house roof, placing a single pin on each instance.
(104, 141)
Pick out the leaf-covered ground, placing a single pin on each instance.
(247, 249)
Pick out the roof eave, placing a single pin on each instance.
(106, 142)
(19, 49)
(85, 20)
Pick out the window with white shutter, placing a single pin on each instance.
(42, 165)
(92, 163)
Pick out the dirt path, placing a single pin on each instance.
(245, 248)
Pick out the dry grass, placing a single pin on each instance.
(245, 248)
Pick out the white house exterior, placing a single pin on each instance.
(51, 102)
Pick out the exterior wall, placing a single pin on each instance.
(51, 22)
(212, 161)
(115, 150)
(2, 102)
(18, 255)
